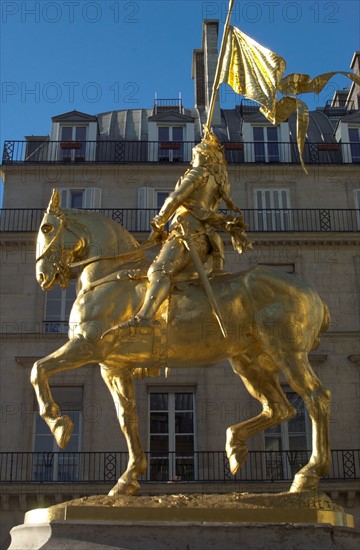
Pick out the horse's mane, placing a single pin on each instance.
(123, 236)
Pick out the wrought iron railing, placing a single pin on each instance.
(258, 220)
(202, 466)
(128, 152)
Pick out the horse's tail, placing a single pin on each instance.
(326, 321)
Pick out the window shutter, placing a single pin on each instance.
(146, 205)
(146, 197)
(272, 210)
(64, 197)
(92, 197)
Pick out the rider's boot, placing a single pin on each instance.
(157, 291)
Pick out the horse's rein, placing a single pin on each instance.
(125, 256)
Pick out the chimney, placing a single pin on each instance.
(204, 67)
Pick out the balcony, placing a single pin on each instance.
(313, 220)
(141, 152)
(202, 466)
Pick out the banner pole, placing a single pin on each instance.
(219, 65)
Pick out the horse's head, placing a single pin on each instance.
(58, 244)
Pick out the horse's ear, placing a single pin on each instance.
(54, 204)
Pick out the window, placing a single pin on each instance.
(72, 143)
(149, 203)
(58, 304)
(89, 197)
(287, 444)
(50, 462)
(171, 436)
(272, 210)
(354, 139)
(266, 146)
(171, 147)
(357, 206)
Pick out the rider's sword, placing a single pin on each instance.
(205, 281)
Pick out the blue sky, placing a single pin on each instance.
(95, 56)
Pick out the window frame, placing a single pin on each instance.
(51, 462)
(272, 217)
(289, 461)
(171, 461)
(169, 155)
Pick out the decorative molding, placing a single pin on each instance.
(317, 359)
(26, 360)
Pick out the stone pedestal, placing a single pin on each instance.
(189, 522)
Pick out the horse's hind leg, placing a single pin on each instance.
(121, 387)
(262, 383)
(304, 381)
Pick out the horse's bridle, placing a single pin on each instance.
(134, 255)
(64, 224)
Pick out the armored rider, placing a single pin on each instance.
(193, 207)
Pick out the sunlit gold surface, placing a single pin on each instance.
(192, 213)
(257, 73)
(227, 508)
(273, 320)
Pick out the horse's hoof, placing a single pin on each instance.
(63, 430)
(122, 487)
(304, 482)
(237, 458)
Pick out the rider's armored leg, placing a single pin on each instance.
(157, 291)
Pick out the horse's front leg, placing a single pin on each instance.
(120, 384)
(72, 355)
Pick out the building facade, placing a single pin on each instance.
(124, 164)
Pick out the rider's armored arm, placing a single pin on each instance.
(183, 189)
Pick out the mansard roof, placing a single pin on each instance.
(133, 124)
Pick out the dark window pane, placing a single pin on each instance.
(184, 444)
(298, 442)
(354, 134)
(66, 133)
(159, 423)
(44, 443)
(163, 133)
(159, 444)
(41, 428)
(177, 133)
(159, 469)
(184, 422)
(76, 199)
(184, 401)
(158, 401)
(273, 152)
(259, 152)
(272, 133)
(258, 133)
(185, 468)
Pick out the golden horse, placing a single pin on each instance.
(273, 321)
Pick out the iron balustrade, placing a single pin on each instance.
(258, 220)
(202, 466)
(129, 152)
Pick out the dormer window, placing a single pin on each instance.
(264, 142)
(171, 147)
(73, 137)
(266, 146)
(354, 140)
(72, 143)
